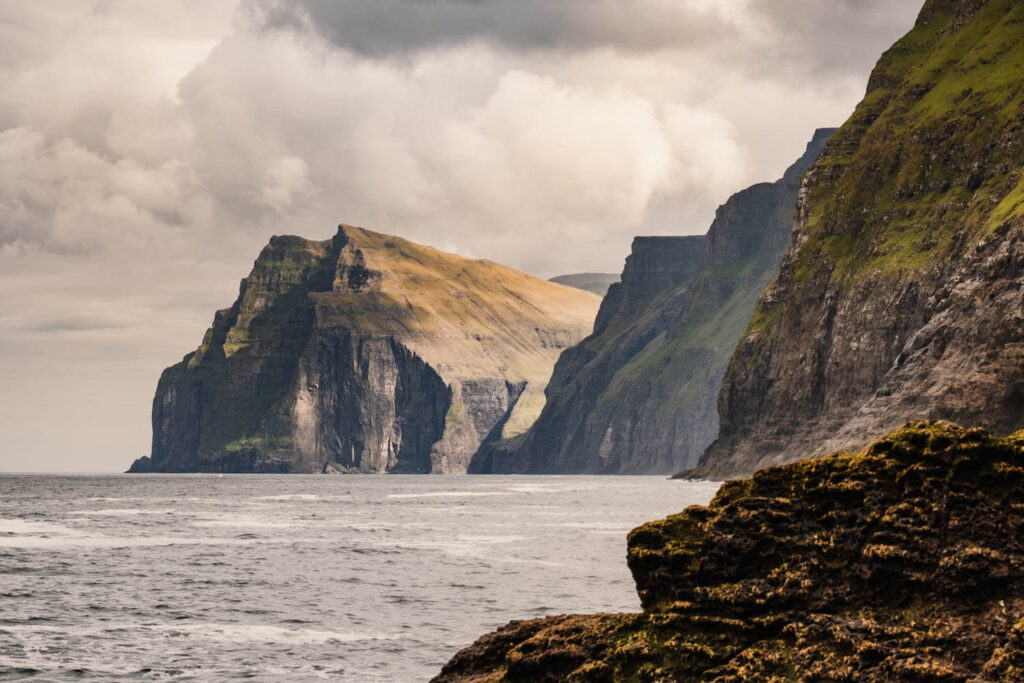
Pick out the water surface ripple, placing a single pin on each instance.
(362, 578)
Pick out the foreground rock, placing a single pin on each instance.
(639, 395)
(904, 562)
(902, 294)
(364, 353)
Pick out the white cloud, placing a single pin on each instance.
(148, 148)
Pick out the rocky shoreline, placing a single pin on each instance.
(901, 562)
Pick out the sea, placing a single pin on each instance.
(263, 577)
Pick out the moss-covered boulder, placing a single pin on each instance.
(903, 562)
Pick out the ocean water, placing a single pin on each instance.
(361, 578)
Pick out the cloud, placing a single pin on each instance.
(148, 149)
(386, 27)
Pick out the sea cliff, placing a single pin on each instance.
(901, 295)
(639, 395)
(364, 353)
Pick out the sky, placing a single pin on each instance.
(150, 148)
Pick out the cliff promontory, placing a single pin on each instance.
(639, 395)
(898, 563)
(902, 293)
(364, 353)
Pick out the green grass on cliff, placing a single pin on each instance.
(932, 165)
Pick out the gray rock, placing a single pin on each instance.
(640, 394)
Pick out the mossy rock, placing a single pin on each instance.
(902, 562)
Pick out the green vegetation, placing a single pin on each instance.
(914, 176)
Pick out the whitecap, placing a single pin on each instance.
(267, 633)
(450, 494)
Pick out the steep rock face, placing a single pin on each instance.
(364, 353)
(898, 563)
(902, 295)
(639, 394)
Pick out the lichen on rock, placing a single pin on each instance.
(900, 562)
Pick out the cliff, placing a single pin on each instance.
(363, 353)
(639, 394)
(902, 294)
(898, 563)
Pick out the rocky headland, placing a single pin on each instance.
(901, 562)
(901, 295)
(364, 353)
(639, 395)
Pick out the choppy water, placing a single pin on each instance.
(292, 577)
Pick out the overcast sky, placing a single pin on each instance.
(148, 149)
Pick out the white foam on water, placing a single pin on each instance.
(268, 633)
(23, 527)
(450, 494)
(242, 523)
(221, 632)
(126, 512)
(291, 496)
(48, 542)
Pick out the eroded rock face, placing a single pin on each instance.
(640, 394)
(364, 353)
(902, 294)
(902, 562)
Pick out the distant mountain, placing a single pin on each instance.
(639, 395)
(364, 353)
(598, 283)
(902, 295)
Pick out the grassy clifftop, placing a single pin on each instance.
(901, 562)
(366, 353)
(900, 295)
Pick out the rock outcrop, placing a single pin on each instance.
(364, 353)
(639, 395)
(596, 283)
(902, 294)
(899, 563)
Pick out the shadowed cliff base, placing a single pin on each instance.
(902, 562)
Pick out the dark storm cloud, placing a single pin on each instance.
(397, 26)
(774, 38)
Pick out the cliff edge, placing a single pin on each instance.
(639, 395)
(902, 293)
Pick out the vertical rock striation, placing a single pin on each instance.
(639, 394)
(364, 353)
(902, 294)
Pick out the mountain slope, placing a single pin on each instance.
(902, 295)
(363, 353)
(597, 283)
(639, 394)
(898, 563)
